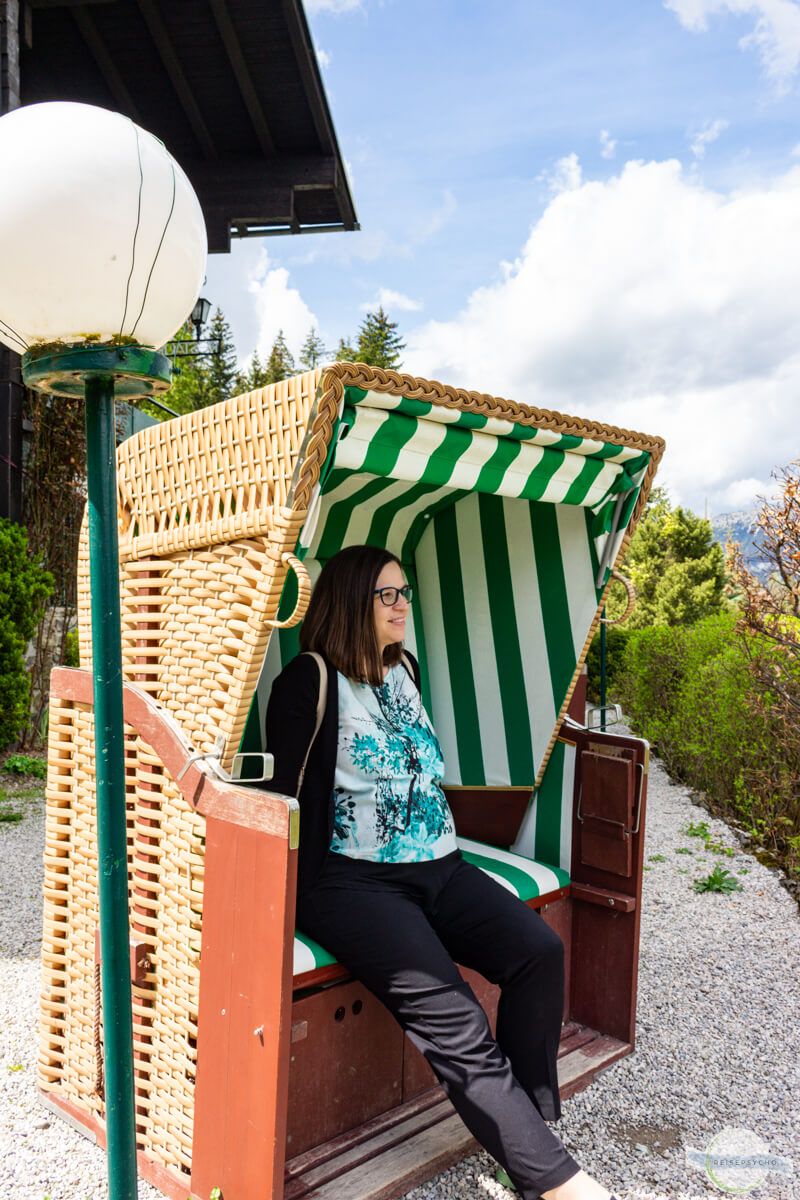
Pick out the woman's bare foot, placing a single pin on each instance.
(579, 1187)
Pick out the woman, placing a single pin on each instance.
(383, 887)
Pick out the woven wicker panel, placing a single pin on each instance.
(166, 912)
(69, 1010)
(165, 859)
(203, 527)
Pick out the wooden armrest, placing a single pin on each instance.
(251, 808)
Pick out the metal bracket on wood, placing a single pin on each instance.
(596, 718)
(214, 759)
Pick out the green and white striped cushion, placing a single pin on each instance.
(309, 955)
(521, 876)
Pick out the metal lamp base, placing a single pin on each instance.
(137, 371)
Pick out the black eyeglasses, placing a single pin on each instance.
(390, 595)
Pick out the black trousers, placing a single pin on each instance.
(399, 928)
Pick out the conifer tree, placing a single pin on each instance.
(379, 343)
(675, 566)
(280, 364)
(220, 365)
(312, 351)
(345, 352)
(189, 389)
(256, 376)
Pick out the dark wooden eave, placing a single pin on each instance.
(232, 88)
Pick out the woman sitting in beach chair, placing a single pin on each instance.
(383, 886)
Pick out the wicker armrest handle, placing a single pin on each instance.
(303, 593)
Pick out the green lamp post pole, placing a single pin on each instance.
(112, 839)
(100, 373)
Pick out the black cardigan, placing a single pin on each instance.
(291, 717)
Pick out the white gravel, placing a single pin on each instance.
(718, 1037)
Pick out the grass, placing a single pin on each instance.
(17, 799)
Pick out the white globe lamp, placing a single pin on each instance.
(102, 240)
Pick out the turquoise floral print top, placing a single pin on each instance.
(388, 805)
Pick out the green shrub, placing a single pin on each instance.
(687, 690)
(23, 764)
(24, 587)
(616, 641)
(72, 656)
(691, 691)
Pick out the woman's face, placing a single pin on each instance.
(390, 620)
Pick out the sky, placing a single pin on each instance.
(591, 208)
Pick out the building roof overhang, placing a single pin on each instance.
(232, 88)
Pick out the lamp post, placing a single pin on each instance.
(103, 247)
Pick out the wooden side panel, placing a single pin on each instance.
(244, 1013)
(608, 799)
(346, 1064)
(491, 815)
(605, 938)
(558, 915)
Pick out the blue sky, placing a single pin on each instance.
(592, 208)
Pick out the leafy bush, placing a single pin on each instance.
(691, 691)
(24, 587)
(23, 764)
(72, 656)
(616, 641)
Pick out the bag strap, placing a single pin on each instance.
(409, 666)
(321, 702)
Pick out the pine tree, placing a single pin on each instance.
(345, 352)
(256, 376)
(190, 388)
(313, 351)
(220, 365)
(675, 566)
(280, 364)
(379, 343)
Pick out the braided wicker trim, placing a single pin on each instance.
(375, 379)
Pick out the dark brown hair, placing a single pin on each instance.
(339, 621)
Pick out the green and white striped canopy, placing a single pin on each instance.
(508, 533)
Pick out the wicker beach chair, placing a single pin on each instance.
(260, 1066)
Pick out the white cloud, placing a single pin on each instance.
(324, 58)
(389, 299)
(437, 220)
(608, 145)
(743, 494)
(278, 306)
(565, 176)
(775, 35)
(651, 302)
(705, 136)
(333, 6)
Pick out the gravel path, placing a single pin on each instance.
(718, 1041)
